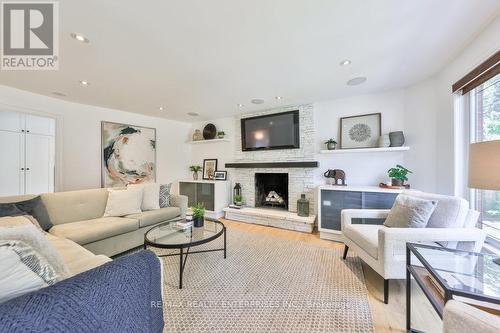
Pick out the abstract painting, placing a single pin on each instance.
(360, 131)
(128, 154)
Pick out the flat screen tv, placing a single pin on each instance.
(272, 131)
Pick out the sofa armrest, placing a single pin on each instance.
(348, 214)
(180, 201)
(123, 295)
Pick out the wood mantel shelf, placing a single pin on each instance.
(251, 165)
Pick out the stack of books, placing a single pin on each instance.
(182, 225)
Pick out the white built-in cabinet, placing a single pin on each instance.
(27, 150)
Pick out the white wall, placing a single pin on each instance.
(79, 138)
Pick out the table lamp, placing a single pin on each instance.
(484, 167)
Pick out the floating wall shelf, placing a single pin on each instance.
(208, 141)
(364, 150)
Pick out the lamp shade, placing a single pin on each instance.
(484, 165)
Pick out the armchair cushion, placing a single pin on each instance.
(365, 236)
(410, 212)
(450, 211)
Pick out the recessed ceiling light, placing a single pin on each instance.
(84, 83)
(278, 98)
(80, 37)
(58, 93)
(161, 108)
(356, 81)
(257, 101)
(345, 62)
(193, 114)
(240, 105)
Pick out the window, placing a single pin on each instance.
(484, 105)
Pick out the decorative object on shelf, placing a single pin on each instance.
(209, 132)
(221, 134)
(195, 169)
(220, 175)
(198, 215)
(360, 131)
(384, 141)
(238, 200)
(237, 193)
(338, 176)
(397, 139)
(398, 175)
(303, 206)
(209, 168)
(331, 144)
(197, 136)
(384, 185)
(128, 154)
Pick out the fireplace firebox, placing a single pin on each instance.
(271, 190)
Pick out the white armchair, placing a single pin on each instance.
(384, 249)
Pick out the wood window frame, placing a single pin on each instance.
(482, 73)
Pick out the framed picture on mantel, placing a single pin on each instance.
(361, 131)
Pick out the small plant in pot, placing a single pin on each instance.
(198, 215)
(195, 169)
(221, 134)
(238, 200)
(398, 175)
(331, 144)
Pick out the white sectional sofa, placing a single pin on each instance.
(77, 216)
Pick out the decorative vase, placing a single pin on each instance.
(396, 182)
(198, 221)
(331, 146)
(220, 136)
(303, 206)
(397, 139)
(197, 136)
(384, 141)
(195, 175)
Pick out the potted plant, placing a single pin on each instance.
(198, 214)
(195, 169)
(221, 134)
(398, 175)
(331, 144)
(238, 200)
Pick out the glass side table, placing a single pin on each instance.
(445, 274)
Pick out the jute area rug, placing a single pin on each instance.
(266, 284)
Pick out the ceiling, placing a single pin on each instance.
(209, 56)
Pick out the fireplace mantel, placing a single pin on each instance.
(255, 165)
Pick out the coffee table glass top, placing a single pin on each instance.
(462, 271)
(170, 235)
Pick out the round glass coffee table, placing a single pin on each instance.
(170, 235)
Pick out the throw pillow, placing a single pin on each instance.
(410, 212)
(23, 270)
(123, 202)
(36, 239)
(151, 195)
(9, 209)
(12, 221)
(165, 195)
(36, 208)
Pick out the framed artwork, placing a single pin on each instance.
(360, 131)
(128, 154)
(209, 168)
(220, 175)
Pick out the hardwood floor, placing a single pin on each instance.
(386, 317)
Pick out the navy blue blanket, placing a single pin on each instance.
(120, 296)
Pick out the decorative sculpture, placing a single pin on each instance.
(338, 176)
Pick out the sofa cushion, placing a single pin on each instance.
(365, 236)
(72, 206)
(450, 212)
(88, 231)
(151, 217)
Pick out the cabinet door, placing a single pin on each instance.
(11, 173)
(189, 190)
(377, 200)
(40, 125)
(11, 121)
(332, 203)
(205, 195)
(39, 164)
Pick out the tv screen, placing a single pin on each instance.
(273, 131)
